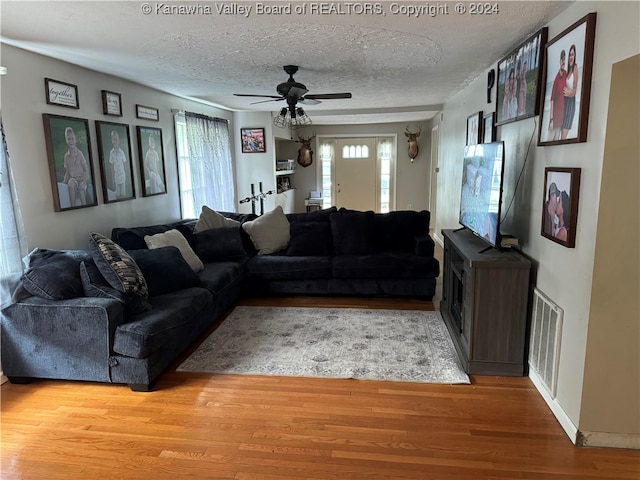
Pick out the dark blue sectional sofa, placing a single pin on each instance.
(62, 329)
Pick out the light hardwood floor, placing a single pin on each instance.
(202, 426)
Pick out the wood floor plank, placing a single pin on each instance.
(204, 426)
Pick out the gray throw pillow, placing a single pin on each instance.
(211, 219)
(54, 274)
(165, 270)
(218, 244)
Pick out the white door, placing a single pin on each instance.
(356, 178)
(434, 179)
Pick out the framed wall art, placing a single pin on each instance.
(253, 140)
(61, 93)
(151, 160)
(519, 77)
(70, 165)
(560, 205)
(147, 113)
(114, 158)
(474, 129)
(567, 84)
(489, 128)
(111, 103)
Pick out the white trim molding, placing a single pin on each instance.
(565, 422)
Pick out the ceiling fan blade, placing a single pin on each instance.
(328, 96)
(309, 101)
(252, 95)
(297, 92)
(271, 100)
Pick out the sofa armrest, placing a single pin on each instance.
(63, 339)
(425, 246)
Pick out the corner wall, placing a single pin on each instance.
(564, 274)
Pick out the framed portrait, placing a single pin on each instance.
(253, 140)
(114, 158)
(474, 129)
(61, 93)
(519, 77)
(489, 128)
(70, 165)
(151, 159)
(111, 103)
(560, 205)
(567, 84)
(147, 113)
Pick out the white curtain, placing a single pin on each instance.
(210, 163)
(11, 228)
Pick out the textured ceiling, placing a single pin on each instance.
(399, 67)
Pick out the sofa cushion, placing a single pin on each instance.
(270, 232)
(211, 219)
(95, 285)
(216, 276)
(173, 238)
(322, 215)
(120, 271)
(55, 274)
(310, 238)
(165, 270)
(172, 314)
(397, 231)
(282, 267)
(218, 244)
(385, 265)
(353, 232)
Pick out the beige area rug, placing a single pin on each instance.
(371, 344)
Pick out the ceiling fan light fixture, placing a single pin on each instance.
(298, 118)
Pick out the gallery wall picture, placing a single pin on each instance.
(567, 84)
(253, 140)
(111, 103)
(474, 129)
(519, 77)
(489, 128)
(151, 159)
(60, 93)
(560, 205)
(70, 164)
(114, 158)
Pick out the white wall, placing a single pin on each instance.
(24, 102)
(564, 274)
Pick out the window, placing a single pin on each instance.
(205, 167)
(326, 166)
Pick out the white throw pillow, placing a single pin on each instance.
(270, 232)
(173, 238)
(211, 219)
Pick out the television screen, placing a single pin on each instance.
(481, 192)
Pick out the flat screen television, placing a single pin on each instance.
(481, 192)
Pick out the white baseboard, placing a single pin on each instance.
(3, 379)
(565, 422)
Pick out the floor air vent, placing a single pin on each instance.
(544, 349)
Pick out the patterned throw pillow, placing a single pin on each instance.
(117, 266)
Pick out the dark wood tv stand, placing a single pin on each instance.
(484, 304)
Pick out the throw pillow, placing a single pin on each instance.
(310, 239)
(165, 270)
(211, 219)
(353, 232)
(218, 244)
(173, 238)
(95, 285)
(120, 271)
(54, 274)
(270, 232)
